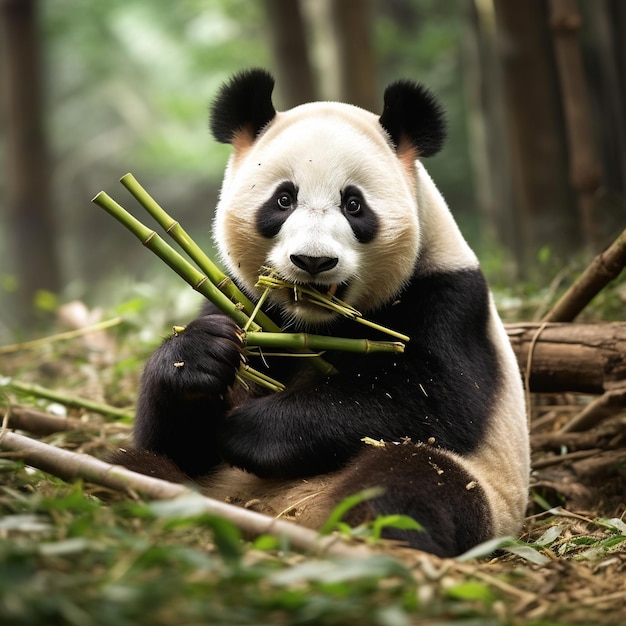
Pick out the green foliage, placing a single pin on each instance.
(334, 520)
(178, 53)
(8, 283)
(372, 530)
(401, 522)
(604, 537)
(69, 557)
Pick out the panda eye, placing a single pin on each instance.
(353, 206)
(284, 201)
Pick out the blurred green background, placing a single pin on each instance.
(98, 89)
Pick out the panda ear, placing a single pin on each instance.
(413, 118)
(243, 107)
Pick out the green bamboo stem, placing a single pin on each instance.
(198, 281)
(382, 329)
(242, 311)
(196, 254)
(257, 309)
(249, 373)
(194, 277)
(37, 391)
(300, 341)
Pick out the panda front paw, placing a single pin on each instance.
(202, 360)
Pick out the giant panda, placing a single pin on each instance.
(335, 197)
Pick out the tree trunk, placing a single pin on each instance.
(30, 225)
(535, 130)
(608, 88)
(352, 25)
(289, 43)
(584, 358)
(486, 127)
(584, 168)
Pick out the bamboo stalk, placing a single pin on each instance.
(196, 254)
(211, 282)
(27, 389)
(72, 466)
(255, 376)
(299, 341)
(194, 277)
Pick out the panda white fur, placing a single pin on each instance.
(334, 196)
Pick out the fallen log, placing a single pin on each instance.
(582, 358)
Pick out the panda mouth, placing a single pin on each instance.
(319, 297)
(310, 300)
(334, 291)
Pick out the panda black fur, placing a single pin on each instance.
(331, 195)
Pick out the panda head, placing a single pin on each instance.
(325, 193)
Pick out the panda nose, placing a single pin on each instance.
(313, 264)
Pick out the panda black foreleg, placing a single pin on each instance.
(183, 394)
(422, 482)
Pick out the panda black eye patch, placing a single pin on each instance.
(362, 219)
(273, 213)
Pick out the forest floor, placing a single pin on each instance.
(83, 554)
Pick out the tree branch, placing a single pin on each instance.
(71, 466)
(600, 272)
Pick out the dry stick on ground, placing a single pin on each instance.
(600, 272)
(605, 406)
(70, 466)
(608, 436)
(40, 423)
